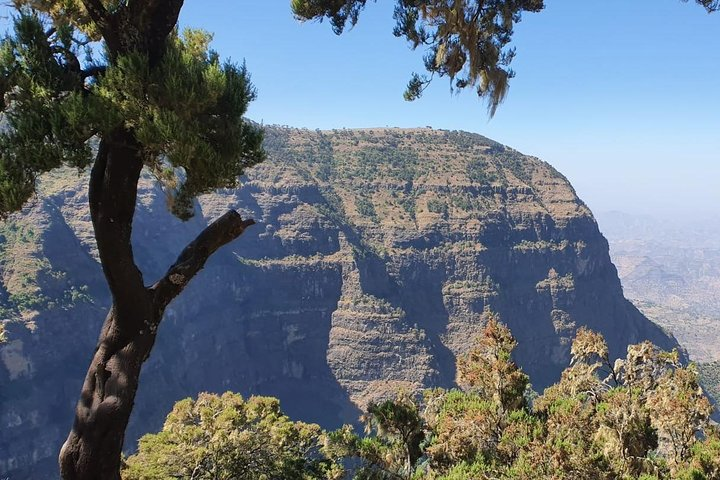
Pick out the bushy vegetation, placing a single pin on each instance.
(477, 171)
(227, 437)
(436, 205)
(365, 207)
(640, 417)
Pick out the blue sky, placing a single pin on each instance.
(622, 96)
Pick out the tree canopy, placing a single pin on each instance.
(112, 85)
(640, 417)
(227, 437)
(58, 93)
(467, 41)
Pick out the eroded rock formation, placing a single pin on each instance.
(374, 256)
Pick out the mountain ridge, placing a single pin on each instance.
(375, 255)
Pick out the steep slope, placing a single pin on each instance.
(375, 254)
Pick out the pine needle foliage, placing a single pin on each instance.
(112, 84)
(59, 96)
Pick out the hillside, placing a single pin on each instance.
(374, 255)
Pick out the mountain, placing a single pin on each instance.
(670, 269)
(374, 256)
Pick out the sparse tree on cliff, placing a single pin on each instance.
(155, 100)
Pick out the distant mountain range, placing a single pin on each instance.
(374, 256)
(670, 269)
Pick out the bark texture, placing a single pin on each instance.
(93, 448)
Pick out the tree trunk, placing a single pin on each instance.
(93, 448)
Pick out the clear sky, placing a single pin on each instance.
(622, 96)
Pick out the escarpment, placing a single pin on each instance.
(374, 256)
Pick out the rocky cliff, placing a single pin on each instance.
(374, 256)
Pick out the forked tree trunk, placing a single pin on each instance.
(93, 448)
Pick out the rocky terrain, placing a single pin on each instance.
(374, 256)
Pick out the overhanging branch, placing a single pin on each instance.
(192, 259)
(161, 14)
(93, 71)
(105, 22)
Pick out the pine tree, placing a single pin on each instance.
(154, 100)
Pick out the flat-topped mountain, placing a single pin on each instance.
(374, 256)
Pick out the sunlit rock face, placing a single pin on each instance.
(374, 256)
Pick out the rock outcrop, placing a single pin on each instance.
(374, 256)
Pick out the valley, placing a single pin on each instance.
(375, 255)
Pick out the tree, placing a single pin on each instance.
(163, 101)
(630, 418)
(466, 40)
(680, 412)
(229, 437)
(488, 367)
(392, 447)
(704, 463)
(154, 100)
(605, 429)
(481, 421)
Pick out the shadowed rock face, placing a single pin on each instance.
(374, 256)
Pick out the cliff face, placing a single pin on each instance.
(374, 255)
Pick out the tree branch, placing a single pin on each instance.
(163, 21)
(166, 17)
(106, 23)
(192, 259)
(93, 71)
(157, 13)
(112, 194)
